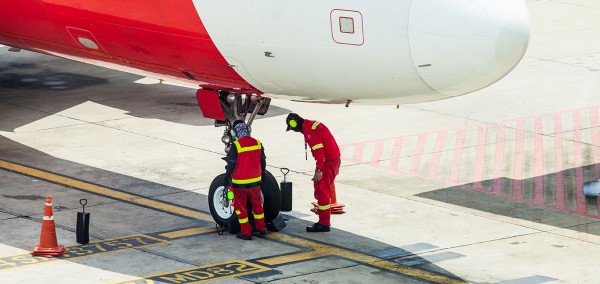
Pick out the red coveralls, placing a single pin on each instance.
(245, 182)
(327, 155)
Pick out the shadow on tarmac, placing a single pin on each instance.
(24, 85)
(18, 192)
(30, 79)
(577, 212)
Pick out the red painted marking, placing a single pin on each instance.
(559, 175)
(499, 159)
(164, 37)
(518, 162)
(396, 152)
(358, 153)
(595, 140)
(437, 155)
(361, 27)
(480, 156)
(418, 154)
(533, 202)
(577, 149)
(375, 159)
(538, 161)
(458, 150)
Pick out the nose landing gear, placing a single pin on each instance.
(226, 108)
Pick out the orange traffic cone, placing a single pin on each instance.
(48, 246)
(336, 208)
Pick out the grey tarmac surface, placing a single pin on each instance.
(481, 188)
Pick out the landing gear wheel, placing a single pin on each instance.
(222, 210)
(271, 195)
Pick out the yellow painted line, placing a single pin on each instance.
(201, 274)
(105, 191)
(319, 249)
(278, 260)
(21, 260)
(82, 251)
(371, 260)
(187, 232)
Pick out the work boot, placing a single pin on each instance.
(243, 237)
(263, 232)
(317, 227)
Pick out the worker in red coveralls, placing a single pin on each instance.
(327, 155)
(246, 162)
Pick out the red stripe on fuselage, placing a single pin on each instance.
(160, 36)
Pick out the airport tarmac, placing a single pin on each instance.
(481, 188)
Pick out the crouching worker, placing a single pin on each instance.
(246, 162)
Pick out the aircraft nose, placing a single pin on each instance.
(461, 46)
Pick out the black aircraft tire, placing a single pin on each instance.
(271, 199)
(220, 216)
(272, 196)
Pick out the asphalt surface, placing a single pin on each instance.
(482, 188)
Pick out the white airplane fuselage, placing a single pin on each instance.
(377, 51)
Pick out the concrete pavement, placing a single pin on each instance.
(482, 188)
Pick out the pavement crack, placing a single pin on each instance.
(14, 214)
(309, 273)
(177, 259)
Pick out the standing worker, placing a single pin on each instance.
(327, 155)
(246, 162)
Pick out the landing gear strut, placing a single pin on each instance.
(236, 107)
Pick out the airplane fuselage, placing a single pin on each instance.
(374, 51)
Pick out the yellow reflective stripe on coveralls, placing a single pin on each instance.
(242, 221)
(246, 181)
(260, 216)
(314, 126)
(318, 146)
(324, 207)
(241, 149)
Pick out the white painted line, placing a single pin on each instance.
(147, 81)
(154, 81)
